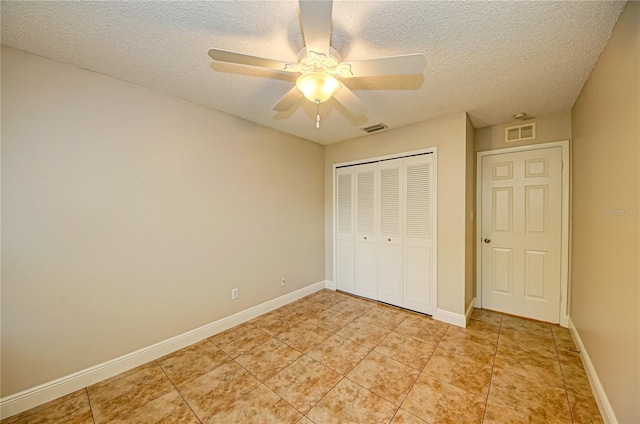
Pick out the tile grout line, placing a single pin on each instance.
(150, 400)
(236, 401)
(537, 379)
(420, 372)
(178, 391)
(557, 357)
(372, 350)
(342, 377)
(264, 382)
(464, 356)
(260, 382)
(564, 380)
(465, 390)
(146, 403)
(455, 353)
(86, 391)
(493, 367)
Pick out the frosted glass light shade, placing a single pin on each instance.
(318, 87)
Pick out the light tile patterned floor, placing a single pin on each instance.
(335, 358)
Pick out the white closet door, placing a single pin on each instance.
(345, 229)
(418, 233)
(366, 283)
(390, 232)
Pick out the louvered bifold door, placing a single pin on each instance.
(366, 283)
(418, 234)
(390, 232)
(345, 229)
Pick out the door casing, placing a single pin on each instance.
(565, 225)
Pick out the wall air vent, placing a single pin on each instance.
(520, 132)
(374, 128)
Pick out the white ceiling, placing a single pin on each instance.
(491, 59)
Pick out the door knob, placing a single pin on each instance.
(365, 237)
(389, 239)
(487, 240)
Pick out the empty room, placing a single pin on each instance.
(320, 212)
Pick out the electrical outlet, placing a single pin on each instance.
(283, 281)
(234, 294)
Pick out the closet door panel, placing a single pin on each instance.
(344, 266)
(418, 233)
(390, 232)
(385, 244)
(345, 255)
(417, 288)
(366, 202)
(365, 270)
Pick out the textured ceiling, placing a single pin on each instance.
(490, 59)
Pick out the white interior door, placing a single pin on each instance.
(366, 200)
(345, 229)
(521, 233)
(390, 232)
(418, 233)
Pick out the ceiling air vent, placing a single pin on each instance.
(374, 128)
(520, 132)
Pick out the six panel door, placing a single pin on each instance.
(521, 233)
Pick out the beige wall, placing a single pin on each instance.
(129, 215)
(449, 135)
(605, 276)
(552, 127)
(470, 191)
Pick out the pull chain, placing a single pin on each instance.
(318, 114)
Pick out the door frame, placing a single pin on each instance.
(434, 187)
(565, 225)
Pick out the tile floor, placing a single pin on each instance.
(335, 358)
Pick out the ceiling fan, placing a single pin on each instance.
(319, 64)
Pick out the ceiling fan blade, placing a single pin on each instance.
(316, 24)
(350, 101)
(394, 65)
(245, 59)
(288, 100)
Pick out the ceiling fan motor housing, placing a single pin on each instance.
(319, 63)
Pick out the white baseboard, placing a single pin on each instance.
(30, 398)
(450, 318)
(469, 311)
(598, 391)
(328, 284)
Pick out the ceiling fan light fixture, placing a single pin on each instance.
(317, 87)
